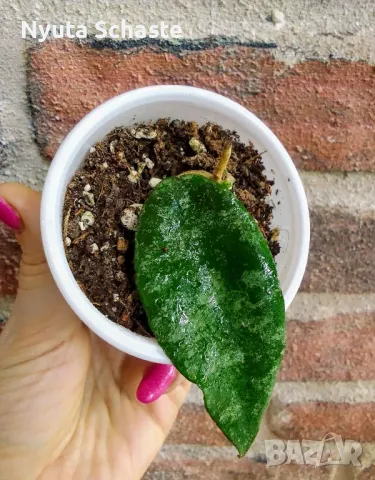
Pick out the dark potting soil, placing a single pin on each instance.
(104, 198)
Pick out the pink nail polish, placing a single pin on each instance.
(155, 382)
(9, 216)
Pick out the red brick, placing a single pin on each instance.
(301, 472)
(210, 469)
(320, 111)
(10, 254)
(195, 426)
(342, 254)
(68, 80)
(323, 111)
(312, 421)
(338, 348)
(366, 474)
(231, 469)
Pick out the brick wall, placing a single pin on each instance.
(323, 110)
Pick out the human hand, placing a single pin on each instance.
(68, 401)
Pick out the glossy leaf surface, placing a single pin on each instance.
(209, 286)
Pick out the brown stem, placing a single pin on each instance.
(223, 162)
(217, 176)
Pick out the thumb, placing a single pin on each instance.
(20, 210)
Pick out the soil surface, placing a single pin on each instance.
(104, 198)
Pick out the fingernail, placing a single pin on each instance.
(9, 216)
(155, 382)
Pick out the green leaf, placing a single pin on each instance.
(209, 286)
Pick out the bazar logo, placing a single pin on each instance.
(332, 450)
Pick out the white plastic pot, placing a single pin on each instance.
(184, 103)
